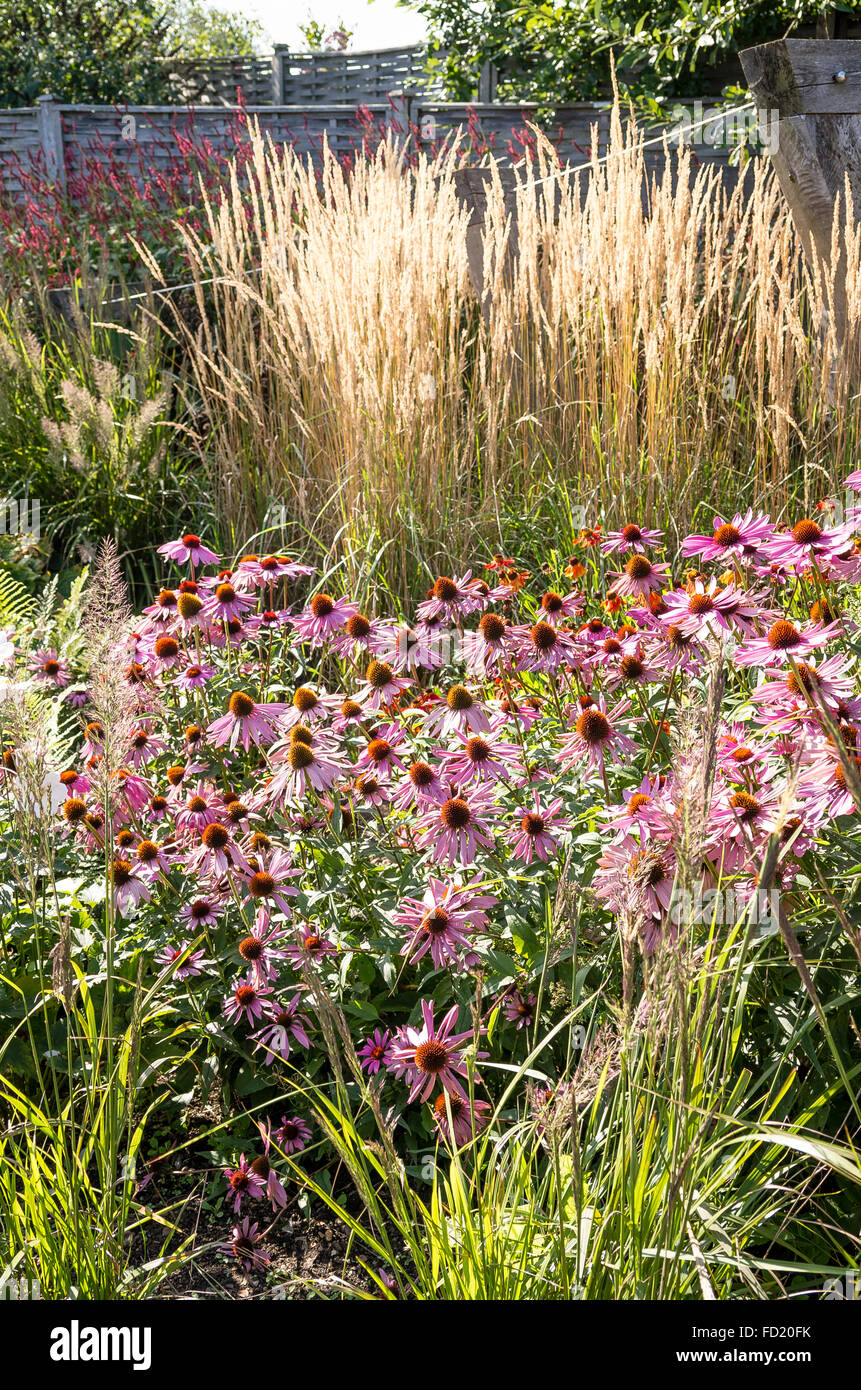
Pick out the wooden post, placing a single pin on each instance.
(50, 128)
(398, 115)
(486, 84)
(814, 87)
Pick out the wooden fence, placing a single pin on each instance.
(65, 142)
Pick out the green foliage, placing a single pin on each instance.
(109, 50)
(197, 32)
(560, 50)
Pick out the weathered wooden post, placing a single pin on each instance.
(50, 125)
(814, 87)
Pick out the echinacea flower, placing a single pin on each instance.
(292, 1134)
(782, 642)
(459, 713)
(519, 1008)
(323, 617)
(740, 539)
(631, 537)
(284, 1022)
(456, 829)
(262, 1168)
(246, 722)
(595, 735)
(189, 549)
(376, 1051)
(309, 945)
(382, 686)
(478, 759)
(809, 545)
(534, 835)
(468, 1118)
(247, 1001)
(639, 578)
(188, 968)
(429, 1054)
(270, 884)
(440, 924)
(243, 1182)
(244, 1246)
(49, 667)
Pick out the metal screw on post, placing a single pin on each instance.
(839, 77)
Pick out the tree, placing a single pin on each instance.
(108, 50)
(196, 32)
(553, 51)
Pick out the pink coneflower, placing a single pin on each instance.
(262, 1168)
(829, 682)
(440, 924)
(308, 707)
(450, 600)
(309, 945)
(246, 722)
(456, 829)
(163, 611)
(268, 570)
(225, 604)
(486, 649)
(631, 537)
(323, 617)
(700, 609)
(244, 1246)
(639, 578)
(826, 790)
(525, 714)
(166, 654)
(260, 950)
(303, 764)
(782, 641)
(75, 783)
(741, 819)
(49, 667)
(427, 1054)
(248, 1001)
(292, 1134)
(479, 758)
(285, 1022)
(628, 868)
(144, 746)
(459, 713)
(519, 1008)
(421, 785)
(189, 968)
(189, 549)
(634, 667)
(376, 1051)
(534, 836)
(810, 546)
(596, 734)
(202, 912)
(203, 806)
(468, 1118)
(555, 606)
(350, 716)
(216, 853)
(129, 890)
(741, 539)
(270, 885)
(242, 1182)
(194, 677)
(151, 860)
(543, 647)
(428, 644)
(380, 755)
(381, 686)
(361, 638)
(641, 811)
(370, 791)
